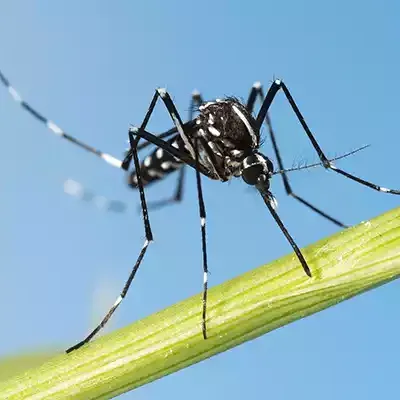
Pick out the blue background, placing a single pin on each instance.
(92, 68)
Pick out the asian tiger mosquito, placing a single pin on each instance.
(221, 142)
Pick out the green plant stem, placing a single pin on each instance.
(344, 265)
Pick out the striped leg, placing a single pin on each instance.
(196, 101)
(149, 238)
(202, 212)
(193, 162)
(109, 159)
(255, 92)
(273, 90)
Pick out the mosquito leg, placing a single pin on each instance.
(196, 101)
(148, 233)
(255, 92)
(163, 135)
(177, 196)
(202, 212)
(195, 163)
(270, 201)
(183, 156)
(275, 87)
(109, 159)
(188, 159)
(162, 144)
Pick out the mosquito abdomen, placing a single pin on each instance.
(155, 167)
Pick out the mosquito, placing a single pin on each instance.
(221, 142)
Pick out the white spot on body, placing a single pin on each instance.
(257, 85)
(155, 174)
(383, 189)
(166, 165)
(175, 144)
(214, 148)
(232, 163)
(198, 122)
(228, 143)
(53, 127)
(237, 153)
(147, 161)
(214, 131)
(211, 119)
(278, 82)
(14, 94)
(201, 131)
(159, 153)
(111, 160)
(209, 103)
(202, 221)
(247, 124)
(205, 277)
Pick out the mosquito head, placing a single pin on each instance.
(257, 170)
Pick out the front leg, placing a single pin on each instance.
(196, 101)
(255, 92)
(148, 240)
(193, 161)
(273, 90)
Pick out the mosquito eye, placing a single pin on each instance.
(251, 174)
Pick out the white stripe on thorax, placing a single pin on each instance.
(247, 123)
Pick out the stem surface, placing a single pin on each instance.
(343, 265)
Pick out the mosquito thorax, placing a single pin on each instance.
(230, 132)
(230, 122)
(257, 170)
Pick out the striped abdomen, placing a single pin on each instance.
(158, 164)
